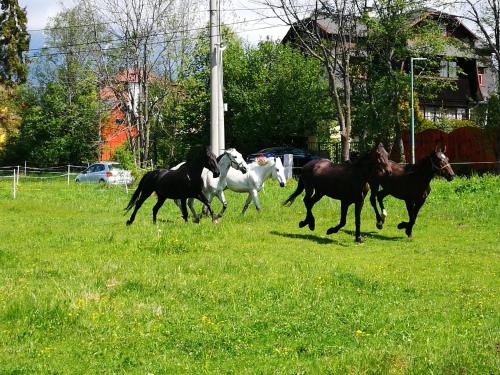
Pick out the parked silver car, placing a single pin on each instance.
(106, 172)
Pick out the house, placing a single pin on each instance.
(115, 129)
(468, 64)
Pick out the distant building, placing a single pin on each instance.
(470, 66)
(115, 128)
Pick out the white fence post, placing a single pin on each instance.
(14, 184)
(17, 176)
(288, 164)
(25, 167)
(69, 170)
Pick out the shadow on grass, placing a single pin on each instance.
(376, 235)
(309, 237)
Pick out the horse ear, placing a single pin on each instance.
(436, 149)
(444, 151)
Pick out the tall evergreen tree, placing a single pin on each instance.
(14, 41)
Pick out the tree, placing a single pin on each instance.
(335, 50)
(14, 42)
(137, 50)
(61, 113)
(274, 93)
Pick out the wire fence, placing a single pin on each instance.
(14, 175)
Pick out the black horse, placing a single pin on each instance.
(181, 184)
(346, 182)
(411, 184)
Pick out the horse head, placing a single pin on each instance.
(210, 162)
(441, 164)
(237, 161)
(279, 172)
(382, 161)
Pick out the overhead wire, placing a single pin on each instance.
(115, 40)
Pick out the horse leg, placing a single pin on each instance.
(309, 206)
(196, 218)
(222, 199)
(373, 201)
(307, 199)
(255, 197)
(416, 207)
(201, 197)
(358, 206)
(343, 215)
(409, 207)
(247, 203)
(380, 197)
(144, 195)
(157, 206)
(184, 209)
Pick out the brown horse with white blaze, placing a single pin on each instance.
(410, 183)
(346, 182)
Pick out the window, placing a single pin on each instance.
(480, 76)
(452, 69)
(444, 69)
(462, 114)
(448, 69)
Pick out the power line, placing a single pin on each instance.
(61, 53)
(152, 35)
(117, 23)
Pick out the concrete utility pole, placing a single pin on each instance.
(412, 114)
(217, 137)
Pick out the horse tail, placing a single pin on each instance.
(297, 192)
(138, 191)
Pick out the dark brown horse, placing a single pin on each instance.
(183, 183)
(411, 184)
(346, 182)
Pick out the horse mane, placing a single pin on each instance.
(196, 154)
(410, 168)
(361, 159)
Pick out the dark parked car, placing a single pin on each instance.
(300, 157)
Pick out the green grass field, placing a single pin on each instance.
(82, 293)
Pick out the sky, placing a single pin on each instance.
(249, 16)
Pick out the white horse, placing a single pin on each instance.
(253, 181)
(215, 185)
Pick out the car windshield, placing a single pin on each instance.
(113, 167)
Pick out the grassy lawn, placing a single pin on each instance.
(82, 293)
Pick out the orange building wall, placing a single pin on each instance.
(112, 134)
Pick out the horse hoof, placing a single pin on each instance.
(332, 230)
(402, 225)
(302, 224)
(196, 220)
(359, 240)
(128, 222)
(384, 214)
(312, 226)
(380, 225)
(408, 233)
(215, 221)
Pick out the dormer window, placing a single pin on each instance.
(448, 69)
